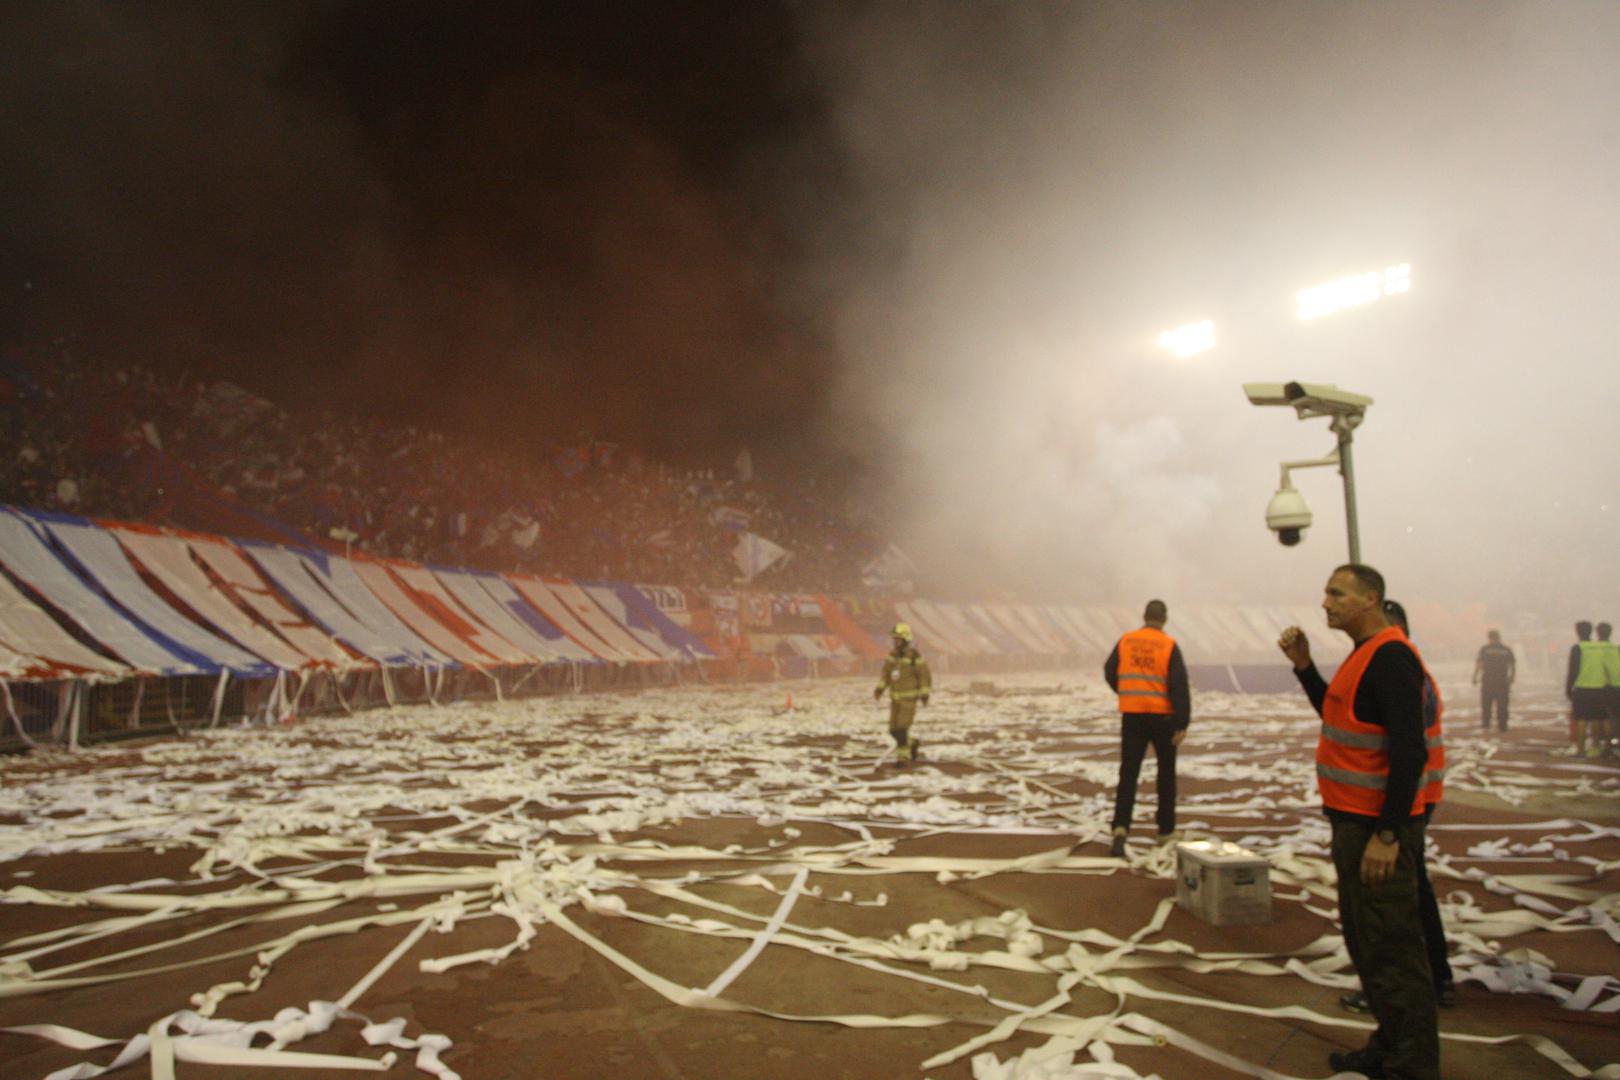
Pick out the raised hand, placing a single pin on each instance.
(1296, 646)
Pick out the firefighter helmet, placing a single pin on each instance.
(902, 631)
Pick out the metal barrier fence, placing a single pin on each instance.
(71, 712)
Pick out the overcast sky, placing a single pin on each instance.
(936, 240)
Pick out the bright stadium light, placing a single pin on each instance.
(1352, 291)
(1189, 340)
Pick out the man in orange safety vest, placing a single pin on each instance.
(1146, 670)
(1378, 769)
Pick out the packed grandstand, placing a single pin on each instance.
(175, 552)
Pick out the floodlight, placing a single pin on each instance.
(1189, 340)
(1353, 290)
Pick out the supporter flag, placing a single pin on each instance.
(730, 517)
(891, 569)
(754, 554)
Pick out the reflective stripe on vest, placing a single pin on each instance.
(1352, 756)
(1432, 784)
(1144, 671)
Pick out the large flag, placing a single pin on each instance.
(754, 554)
(733, 518)
(891, 569)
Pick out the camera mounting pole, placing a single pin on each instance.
(1345, 411)
(1342, 427)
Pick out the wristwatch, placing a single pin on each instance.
(1386, 836)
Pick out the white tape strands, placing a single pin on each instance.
(343, 820)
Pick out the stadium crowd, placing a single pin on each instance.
(120, 441)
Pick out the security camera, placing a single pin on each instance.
(1287, 515)
(1266, 393)
(1318, 398)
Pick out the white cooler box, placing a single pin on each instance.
(1223, 884)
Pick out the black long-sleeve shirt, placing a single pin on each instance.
(1175, 684)
(1391, 696)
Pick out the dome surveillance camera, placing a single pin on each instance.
(1288, 516)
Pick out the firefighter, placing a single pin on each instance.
(905, 676)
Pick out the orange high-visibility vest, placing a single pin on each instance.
(1144, 671)
(1352, 757)
(1432, 788)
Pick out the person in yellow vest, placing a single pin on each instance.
(1146, 670)
(1611, 664)
(1378, 774)
(1593, 669)
(906, 678)
(1591, 685)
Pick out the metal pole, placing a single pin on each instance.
(1347, 470)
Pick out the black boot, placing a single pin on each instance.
(1367, 1061)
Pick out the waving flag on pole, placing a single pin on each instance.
(892, 569)
(754, 554)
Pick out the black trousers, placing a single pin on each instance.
(1434, 931)
(1383, 931)
(1493, 698)
(1137, 731)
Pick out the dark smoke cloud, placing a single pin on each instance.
(511, 220)
(667, 222)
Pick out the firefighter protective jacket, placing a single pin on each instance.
(905, 675)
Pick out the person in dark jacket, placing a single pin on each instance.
(1494, 670)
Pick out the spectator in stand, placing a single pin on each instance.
(114, 441)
